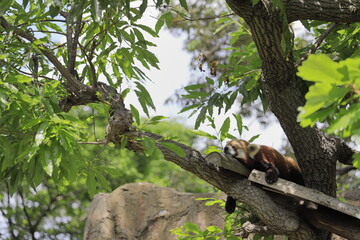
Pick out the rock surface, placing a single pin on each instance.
(148, 212)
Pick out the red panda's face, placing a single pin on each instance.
(237, 149)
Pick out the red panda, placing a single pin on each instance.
(262, 158)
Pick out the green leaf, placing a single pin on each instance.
(175, 148)
(95, 10)
(5, 5)
(320, 68)
(168, 18)
(210, 81)
(194, 87)
(144, 94)
(135, 114)
(345, 119)
(239, 123)
(143, 6)
(149, 146)
(147, 29)
(356, 162)
(253, 138)
(91, 183)
(184, 5)
(160, 23)
(18, 79)
(102, 181)
(190, 107)
(321, 95)
(203, 134)
(200, 118)
(224, 130)
(125, 92)
(156, 119)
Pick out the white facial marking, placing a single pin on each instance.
(231, 150)
(240, 154)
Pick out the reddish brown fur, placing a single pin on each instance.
(262, 158)
(269, 160)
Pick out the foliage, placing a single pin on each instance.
(43, 147)
(334, 96)
(64, 204)
(48, 212)
(225, 62)
(232, 225)
(37, 139)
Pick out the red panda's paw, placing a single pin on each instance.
(271, 175)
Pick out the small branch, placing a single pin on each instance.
(103, 142)
(317, 43)
(54, 32)
(53, 200)
(93, 81)
(249, 72)
(72, 42)
(73, 84)
(11, 227)
(26, 73)
(344, 170)
(344, 152)
(27, 215)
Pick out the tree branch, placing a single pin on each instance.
(344, 170)
(28, 218)
(73, 84)
(276, 216)
(317, 43)
(345, 11)
(72, 42)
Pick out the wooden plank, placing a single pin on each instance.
(224, 161)
(295, 190)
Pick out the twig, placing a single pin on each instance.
(344, 170)
(54, 32)
(317, 43)
(249, 72)
(103, 142)
(27, 215)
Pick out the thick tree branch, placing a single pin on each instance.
(346, 11)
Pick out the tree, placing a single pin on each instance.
(43, 80)
(53, 211)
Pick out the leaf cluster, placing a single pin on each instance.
(334, 97)
(231, 228)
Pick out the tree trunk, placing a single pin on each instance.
(316, 154)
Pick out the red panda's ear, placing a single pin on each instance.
(253, 149)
